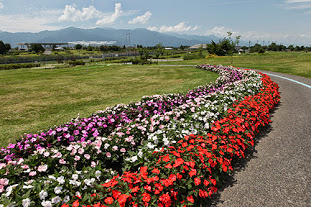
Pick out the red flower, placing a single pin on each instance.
(197, 181)
(192, 172)
(116, 194)
(146, 197)
(76, 204)
(203, 193)
(147, 187)
(135, 189)
(143, 169)
(178, 162)
(166, 158)
(169, 166)
(190, 199)
(108, 200)
(213, 181)
(122, 199)
(166, 199)
(97, 205)
(156, 171)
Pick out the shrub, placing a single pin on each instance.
(76, 62)
(17, 66)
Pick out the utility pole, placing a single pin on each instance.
(127, 42)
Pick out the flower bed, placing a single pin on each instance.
(146, 143)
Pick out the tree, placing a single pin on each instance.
(273, 47)
(36, 48)
(78, 47)
(4, 48)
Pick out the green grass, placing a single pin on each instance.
(36, 99)
(294, 63)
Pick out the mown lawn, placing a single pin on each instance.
(294, 63)
(36, 99)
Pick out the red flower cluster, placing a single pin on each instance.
(185, 174)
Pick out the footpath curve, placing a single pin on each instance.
(279, 171)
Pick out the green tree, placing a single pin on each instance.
(4, 48)
(36, 48)
(78, 46)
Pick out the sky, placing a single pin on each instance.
(280, 21)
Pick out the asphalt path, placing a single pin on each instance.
(278, 173)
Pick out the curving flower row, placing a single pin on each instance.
(71, 161)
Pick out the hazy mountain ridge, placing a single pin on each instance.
(138, 37)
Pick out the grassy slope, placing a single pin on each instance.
(295, 63)
(36, 99)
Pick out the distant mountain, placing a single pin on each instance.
(138, 36)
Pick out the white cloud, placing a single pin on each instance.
(143, 19)
(1, 5)
(112, 18)
(22, 23)
(220, 31)
(297, 5)
(71, 13)
(181, 27)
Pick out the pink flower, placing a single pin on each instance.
(24, 167)
(62, 161)
(1, 188)
(81, 151)
(123, 150)
(77, 158)
(115, 148)
(4, 181)
(2, 165)
(32, 173)
(42, 168)
(87, 156)
(93, 164)
(108, 154)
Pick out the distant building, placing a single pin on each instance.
(197, 46)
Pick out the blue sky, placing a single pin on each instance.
(284, 21)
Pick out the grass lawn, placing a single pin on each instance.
(36, 99)
(294, 63)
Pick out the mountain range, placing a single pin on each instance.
(137, 36)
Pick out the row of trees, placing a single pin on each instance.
(275, 47)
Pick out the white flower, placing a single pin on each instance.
(52, 177)
(43, 194)
(27, 186)
(66, 199)
(61, 180)
(134, 159)
(58, 189)
(98, 173)
(46, 154)
(150, 145)
(46, 203)
(26, 202)
(78, 193)
(75, 176)
(56, 199)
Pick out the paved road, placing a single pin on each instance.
(278, 173)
